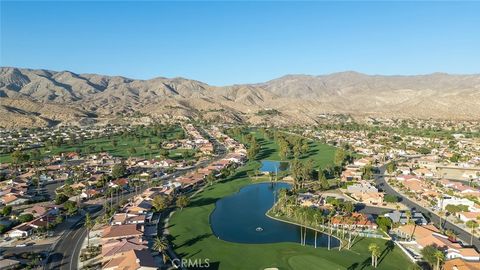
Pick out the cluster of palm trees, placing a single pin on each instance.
(308, 218)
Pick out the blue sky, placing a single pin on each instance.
(224, 43)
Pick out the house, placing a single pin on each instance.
(402, 218)
(459, 264)
(428, 235)
(122, 231)
(167, 163)
(466, 216)
(351, 175)
(362, 162)
(41, 210)
(139, 206)
(132, 260)
(120, 182)
(452, 200)
(414, 231)
(365, 192)
(90, 193)
(362, 187)
(355, 220)
(7, 264)
(13, 199)
(126, 218)
(21, 231)
(113, 247)
(423, 172)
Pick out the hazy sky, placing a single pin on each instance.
(241, 42)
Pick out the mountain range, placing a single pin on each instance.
(37, 97)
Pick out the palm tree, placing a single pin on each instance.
(182, 201)
(440, 214)
(315, 217)
(472, 224)
(408, 214)
(375, 250)
(161, 245)
(440, 256)
(89, 225)
(210, 179)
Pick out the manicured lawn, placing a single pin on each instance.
(121, 150)
(321, 154)
(193, 238)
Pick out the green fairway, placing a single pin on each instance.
(321, 154)
(193, 238)
(122, 148)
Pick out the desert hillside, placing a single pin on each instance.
(42, 97)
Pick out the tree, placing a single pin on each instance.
(7, 210)
(430, 254)
(210, 179)
(25, 218)
(348, 207)
(253, 149)
(367, 172)
(375, 250)
(19, 157)
(324, 185)
(89, 225)
(182, 201)
(339, 157)
(440, 257)
(161, 245)
(118, 170)
(60, 198)
(160, 203)
(391, 167)
(390, 198)
(71, 207)
(408, 214)
(384, 223)
(472, 224)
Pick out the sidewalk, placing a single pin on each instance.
(95, 240)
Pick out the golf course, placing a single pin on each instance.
(192, 236)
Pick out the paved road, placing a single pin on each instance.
(65, 253)
(461, 233)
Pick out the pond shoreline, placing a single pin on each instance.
(300, 225)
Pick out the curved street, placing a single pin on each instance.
(65, 252)
(461, 233)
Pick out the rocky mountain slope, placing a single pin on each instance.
(42, 97)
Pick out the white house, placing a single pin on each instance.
(442, 203)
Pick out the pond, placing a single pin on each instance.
(273, 166)
(241, 218)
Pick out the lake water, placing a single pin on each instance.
(237, 217)
(273, 166)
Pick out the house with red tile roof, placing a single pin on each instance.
(122, 231)
(354, 221)
(132, 260)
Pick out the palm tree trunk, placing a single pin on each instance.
(471, 236)
(329, 236)
(305, 237)
(301, 235)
